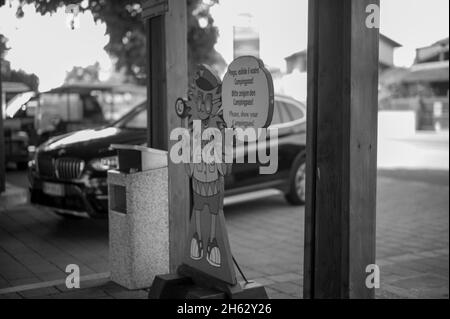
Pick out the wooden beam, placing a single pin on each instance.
(341, 149)
(177, 84)
(157, 88)
(2, 139)
(167, 69)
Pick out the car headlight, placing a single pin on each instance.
(105, 163)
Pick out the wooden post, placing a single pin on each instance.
(2, 138)
(341, 149)
(167, 81)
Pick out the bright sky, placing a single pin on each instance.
(47, 47)
(283, 27)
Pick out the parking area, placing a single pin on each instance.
(266, 237)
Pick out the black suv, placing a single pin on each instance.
(69, 172)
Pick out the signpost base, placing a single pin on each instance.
(190, 283)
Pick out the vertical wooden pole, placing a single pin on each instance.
(2, 156)
(157, 93)
(177, 84)
(167, 69)
(2, 138)
(341, 148)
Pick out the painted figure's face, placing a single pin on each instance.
(204, 95)
(203, 103)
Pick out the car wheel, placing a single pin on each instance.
(297, 186)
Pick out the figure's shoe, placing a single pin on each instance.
(213, 255)
(196, 248)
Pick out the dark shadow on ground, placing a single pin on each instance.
(91, 229)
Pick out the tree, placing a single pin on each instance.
(31, 80)
(3, 46)
(126, 30)
(89, 74)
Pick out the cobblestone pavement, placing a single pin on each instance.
(412, 234)
(266, 237)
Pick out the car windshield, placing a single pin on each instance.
(135, 119)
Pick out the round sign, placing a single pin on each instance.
(247, 94)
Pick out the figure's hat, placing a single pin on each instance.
(206, 78)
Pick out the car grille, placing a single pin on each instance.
(61, 168)
(69, 168)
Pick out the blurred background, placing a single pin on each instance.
(73, 77)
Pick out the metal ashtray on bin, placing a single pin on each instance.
(138, 216)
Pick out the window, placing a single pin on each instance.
(295, 113)
(285, 112)
(284, 115)
(276, 119)
(137, 121)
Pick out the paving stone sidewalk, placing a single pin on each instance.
(266, 237)
(13, 196)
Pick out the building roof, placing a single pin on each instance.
(296, 54)
(428, 72)
(14, 87)
(391, 42)
(442, 42)
(384, 38)
(431, 51)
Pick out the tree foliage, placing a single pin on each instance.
(3, 46)
(89, 74)
(31, 80)
(126, 30)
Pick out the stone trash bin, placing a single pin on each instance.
(138, 217)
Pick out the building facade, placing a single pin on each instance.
(298, 60)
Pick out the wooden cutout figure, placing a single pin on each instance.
(208, 248)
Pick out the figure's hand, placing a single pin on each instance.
(224, 169)
(181, 108)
